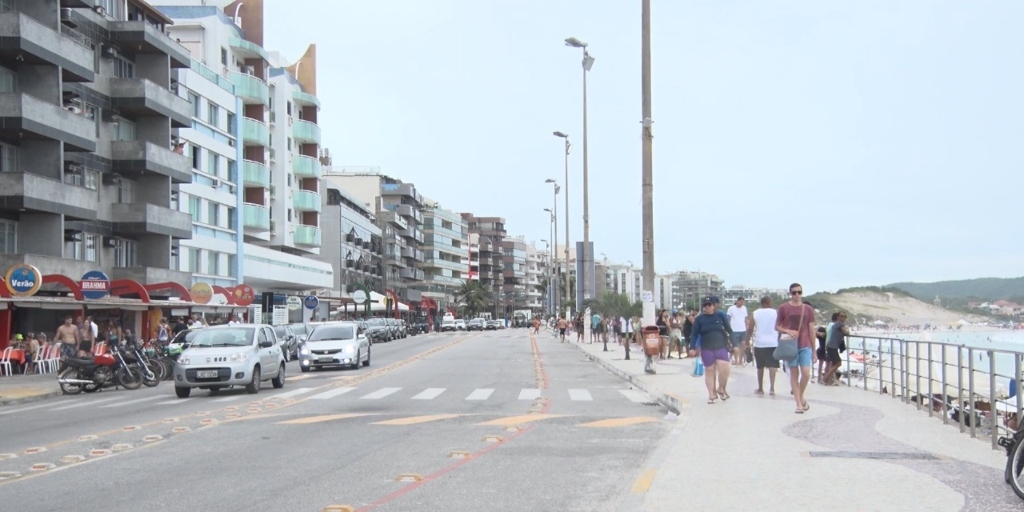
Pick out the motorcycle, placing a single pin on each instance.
(152, 372)
(1014, 447)
(101, 371)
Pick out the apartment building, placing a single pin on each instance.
(486, 258)
(352, 242)
(446, 253)
(688, 288)
(514, 272)
(536, 271)
(624, 279)
(87, 172)
(398, 207)
(276, 170)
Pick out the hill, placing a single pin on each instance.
(869, 304)
(985, 289)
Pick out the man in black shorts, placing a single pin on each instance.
(764, 339)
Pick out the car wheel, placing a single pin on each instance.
(367, 362)
(182, 392)
(359, 356)
(254, 387)
(278, 381)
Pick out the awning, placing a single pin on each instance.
(70, 304)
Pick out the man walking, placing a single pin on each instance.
(764, 340)
(796, 321)
(738, 320)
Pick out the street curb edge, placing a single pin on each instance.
(28, 399)
(672, 403)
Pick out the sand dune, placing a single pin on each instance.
(898, 308)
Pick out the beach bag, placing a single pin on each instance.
(698, 367)
(788, 345)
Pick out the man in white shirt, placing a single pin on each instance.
(765, 340)
(233, 320)
(738, 320)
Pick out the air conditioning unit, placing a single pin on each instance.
(67, 19)
(273, 226)
(290, 121)
(273, 192)
(111, 179)
(215, 183)
(109, 51)
(102, 11)
(74, 109)
(109, 241)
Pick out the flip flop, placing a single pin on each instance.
(711, 401)
(799, 411)
(758, 392)
(807, 406)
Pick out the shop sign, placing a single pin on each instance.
(244, 295)
(201, 293)
(294, 303)
(359, 297)
(311, 302)
(23, 280)
(95, 285)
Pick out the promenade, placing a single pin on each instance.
(853, 450)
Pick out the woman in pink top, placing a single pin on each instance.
(796, 319)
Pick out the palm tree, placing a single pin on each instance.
(473, 297)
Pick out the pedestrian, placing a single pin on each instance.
(821, 347)
(764, 340)
(714, 331)
(675, 334)
(662, 323)
(68, 333)
(562, 325)
(796, 321)
(738, 320)
(163, 332)
(836, 344)
(688, 331)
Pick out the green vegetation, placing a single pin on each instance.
(615, 305)
(473, 298)
(983, 289)
(877, 289)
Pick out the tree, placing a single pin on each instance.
(473, 297)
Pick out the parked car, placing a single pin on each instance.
(224, 356)
(460, 324)
(448, 325)
(403, 330)
(334, 344)
(492, 325)
(289, 341)
(476, 324)
(377, 329)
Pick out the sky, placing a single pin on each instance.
(836, 143)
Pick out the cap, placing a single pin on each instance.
(18, 337)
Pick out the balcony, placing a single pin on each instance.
(410, 212)
(307, 167)
(22, 191)
(36, 43)
(147, 219)
(141, 97)
(306, 201)
(305, 132)
(25, 116)
(393, 218)
(255, 174)
(248, 49)
(305, 99)
(138, 157)
(416, 254)
(251, 89)
(255, 133)
(411, 273)
(138, 36)
(306, 235)
(255, 217)
(401, 189)
(151, 275)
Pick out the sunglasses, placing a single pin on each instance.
(798, 292)
(706, 304)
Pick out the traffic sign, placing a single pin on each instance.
(311, 302)
(95, 285)
(294, 303)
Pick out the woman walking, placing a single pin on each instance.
(712, 328)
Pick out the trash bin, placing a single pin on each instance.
(652, 340)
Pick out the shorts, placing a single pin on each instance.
(708, 357)
(821, 353)
(764, 357)
(832, 356)
(561, 331)
(86, 346)
(737, 339)
(675, 336)
(803, 359)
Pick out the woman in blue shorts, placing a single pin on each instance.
(712, 328)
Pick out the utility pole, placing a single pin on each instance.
(648, 163)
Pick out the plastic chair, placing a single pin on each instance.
(54, 359)
(39, 360)
(5, 362)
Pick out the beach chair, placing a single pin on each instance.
(5, 362)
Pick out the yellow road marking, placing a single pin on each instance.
(319, 419)
(512, 421)
(619, 422)
(415, 420)
(643, 482)
(299, 377)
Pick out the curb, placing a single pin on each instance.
(34, 398)
(669, 401)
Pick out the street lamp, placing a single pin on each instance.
(568, 149)
(588, 62)
(554, 239)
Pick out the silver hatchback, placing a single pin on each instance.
(230, 355)
(334, 344)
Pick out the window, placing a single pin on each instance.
(224, 56)
(195, 155)
(8, 158)
(194, 203)
(87, 178)
(213, 263)
(82, 246)
(288, 108)
(113, 8)
(212, 162)
(123, 68)
(124, 253)
(92, 112)
(193, 260)
(231, 123)
(6, 5)
(125, 130)
(232, 218)
(213, 214)
(196, 107)
(232, 171)
(289, 143)
(232, 264)
(8, 237)
(213, 114)
(8, 80)
(126, 191)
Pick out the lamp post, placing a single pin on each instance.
(647, 187)
(547, 289)
(588, 62)
(568, 149)
(554, 239)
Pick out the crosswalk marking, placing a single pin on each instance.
(29, 408)
(429, 394)
(580, 395)
(380, 393)
(176, 401)
(131, 402)
(229, 398)
(529, 393)
(331, 393)
(294, 392)
(634, 395)
(480, 394)
(85, 404)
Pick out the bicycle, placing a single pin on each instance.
(1014, 461)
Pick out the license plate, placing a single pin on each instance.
(325, 359)
(206, 374)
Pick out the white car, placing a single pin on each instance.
(448, 325)
(334, 344)
(224, 356)
(460, 324)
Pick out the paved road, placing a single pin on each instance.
(484, 421)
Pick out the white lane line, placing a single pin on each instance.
(29, 408)
(132, 402)
(229, 398)
(480, 394)
(176, 401)
(85, 403)
(580, 395)
(634, 395)
(380, 393)
(294, 392)
(429, 394)
(529, 393)
(331, 393)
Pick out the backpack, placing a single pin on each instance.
(162, 334)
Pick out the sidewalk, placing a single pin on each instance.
(17, 389)
(853, 450)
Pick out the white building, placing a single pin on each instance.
(536, 270)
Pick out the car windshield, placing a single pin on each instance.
(332, 332)
(297, 329)
(186, 337)
(281, 331)
(374, 322)
(230, 337)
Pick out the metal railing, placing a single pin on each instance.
(956, 381)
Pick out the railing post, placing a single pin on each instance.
(931, 396)
(1016, 377)
(945, 396)
(970, 389)
(904, 369)
(960, 386)
(892, 368)
(992, 411)
(917, 372)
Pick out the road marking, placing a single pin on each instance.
(635, 396)
(321, 419)
(299, 377)
(429, 394)
(619, 422)
(518, 420)
(529, 394)
(380, 393)
(176, 401)
(415, 420)
(85, 403)
(480, 394)
(131, 402)
(294, 392)
(580, 395)
(20, 409)
(229, 398)
(331, 393)
(643, 482)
